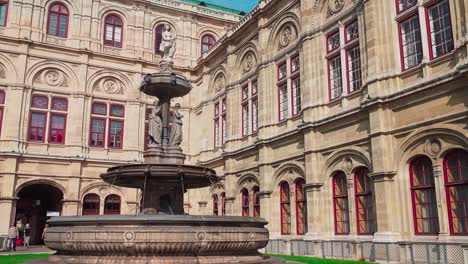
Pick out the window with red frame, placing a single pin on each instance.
(439, 28)
(254, 100)
(38, 118)
(364, 202)
(223, 203)
(335, 81)
(456, 189)
(256, 201)
(215, 204)
(207, 41)
(223, 121)
(220, 122)
(116, 126)
(403, 5)
(217, 126)
(58, 20)
(301, 208)
(353, 57)
(423, 196)
(91, 204)
(113, 31)
(245, 110)
(2, 106)
(158, 37)
(101, 119)
(112, 205)
(98, 125)
(340, 204)
(410, 42)
(285, 209)
(245, 202)
(3, 12)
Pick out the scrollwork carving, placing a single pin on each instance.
(286, 36)
(249, 62)
(335, 6)
(220, 82)
(53, 77)
(111, 86)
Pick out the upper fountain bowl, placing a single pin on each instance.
(165, 85)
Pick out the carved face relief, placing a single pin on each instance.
(249, 62)
(219, 82)
(53, 78)
(111, 86)
(335, 6)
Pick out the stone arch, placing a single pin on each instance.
(324, 10)
(114, 10)
(288, 172)
(157, 21)
(217, 188)
(346, 160)
(288, 20)
(207, 30)
(72, 7)
(40, 181)
(249, 51)
(64, 75)
(102, 189)
(8, 70)
(248, 181)
(218, 79)
(101, 81)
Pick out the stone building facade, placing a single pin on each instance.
(343, 123)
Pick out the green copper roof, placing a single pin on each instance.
(228, 6)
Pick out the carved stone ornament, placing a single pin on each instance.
(111, 86)
(53, 77)
(249, 62)
(286, 37)
(219, 82)
(347, 164)
(335, 6)
(2, 73)
(433, 146)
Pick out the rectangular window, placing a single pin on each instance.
(283, 101)
(245, 119)
(440, 29)
(117, 110)
(403, 5)
(282, 71)
(335, 80)
(410, 42)
(3, 12)
(39, 101)
(115, 133)
(216, 132)
(59, 104)
(351, 31)
(37, 126)
(333, 42)
(2, 102)
(57, 128)
(254, 87)
(98, 128)
(353, 60)
(254, 115)
(223, 128)
(99, 109)
(295, 64)
(296, 95)
(245, 93)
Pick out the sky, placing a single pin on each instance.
(242, 5)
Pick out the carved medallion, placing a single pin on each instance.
(219, 82)
(111, 86)
(129, 235)
(433, 146)
(53, 78)
(249, 62)
(286, 37)
(69, 236)
(252, 236)
(201, 235)
(335, 6)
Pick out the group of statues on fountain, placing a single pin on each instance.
(155, 129)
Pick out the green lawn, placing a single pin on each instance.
(14, 259)
(315, 260)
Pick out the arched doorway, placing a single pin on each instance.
(37, 202)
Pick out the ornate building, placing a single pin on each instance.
(343, 123)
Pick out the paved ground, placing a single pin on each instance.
(31, 250)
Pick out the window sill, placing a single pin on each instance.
(354, 94)
(441, 59)
(335, 101)
(412, 70)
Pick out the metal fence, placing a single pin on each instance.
(383, 252)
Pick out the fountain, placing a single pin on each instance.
(161, 233)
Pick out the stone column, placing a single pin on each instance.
(229, 201)
(314, 229)
(441, 201)
(70, 207)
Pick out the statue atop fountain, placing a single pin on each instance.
(167, 48)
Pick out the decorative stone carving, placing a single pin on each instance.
(168, 46)
(220, 82)
(249, 62)
(53, 77)
(111, 86)
(335, 6)
(175, 137)
(201, 235)
(155, 125)
(433, 146)
(129, 235)
(2, 72)
(287, 35)
(348, 164)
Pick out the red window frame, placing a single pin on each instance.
(245, 118)
(62, 13)
(93, 111)
(404, 67)
(116, 105)
(399, 11)
(245, 202)
(363, 197)
(301, 208)
(92, 201)
(223, 203)
(353, 23)
(427, 186)
(92, 132)
(37, 128)
(340, 77)
(293, 58)
(450, 46)
(223, 121)
(43, 97)
(350, 71)
(6, 2)
(329, 36)
(256, 201)
(158, 37)
(113, 137)
(207, 40)
(215, 204)
(57, 135)
(112, 204)
(283, 99)
(456, 185)
(285, 208)
(216, 127)
(296, 95)
(340, 193)
(2, 106)
(254, 114)
(113, 24)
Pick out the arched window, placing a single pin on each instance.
(158, 37)
(423, 196)
(364, 202)
(301, 211)
(245, 202)
(340, 204)
(223, 203)
(112, 204)
(58, 20)
(91, 204)
(285, 204)
(456, 189)
(113, 31)
(215, 204)
(207, 41)
(256, 201)
(3, 12)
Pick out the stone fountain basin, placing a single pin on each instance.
(165, 85)
(157, 235)
(133, 176)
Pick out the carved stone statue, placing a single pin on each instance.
(175, 137)
(155, 125)
(168, 44)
